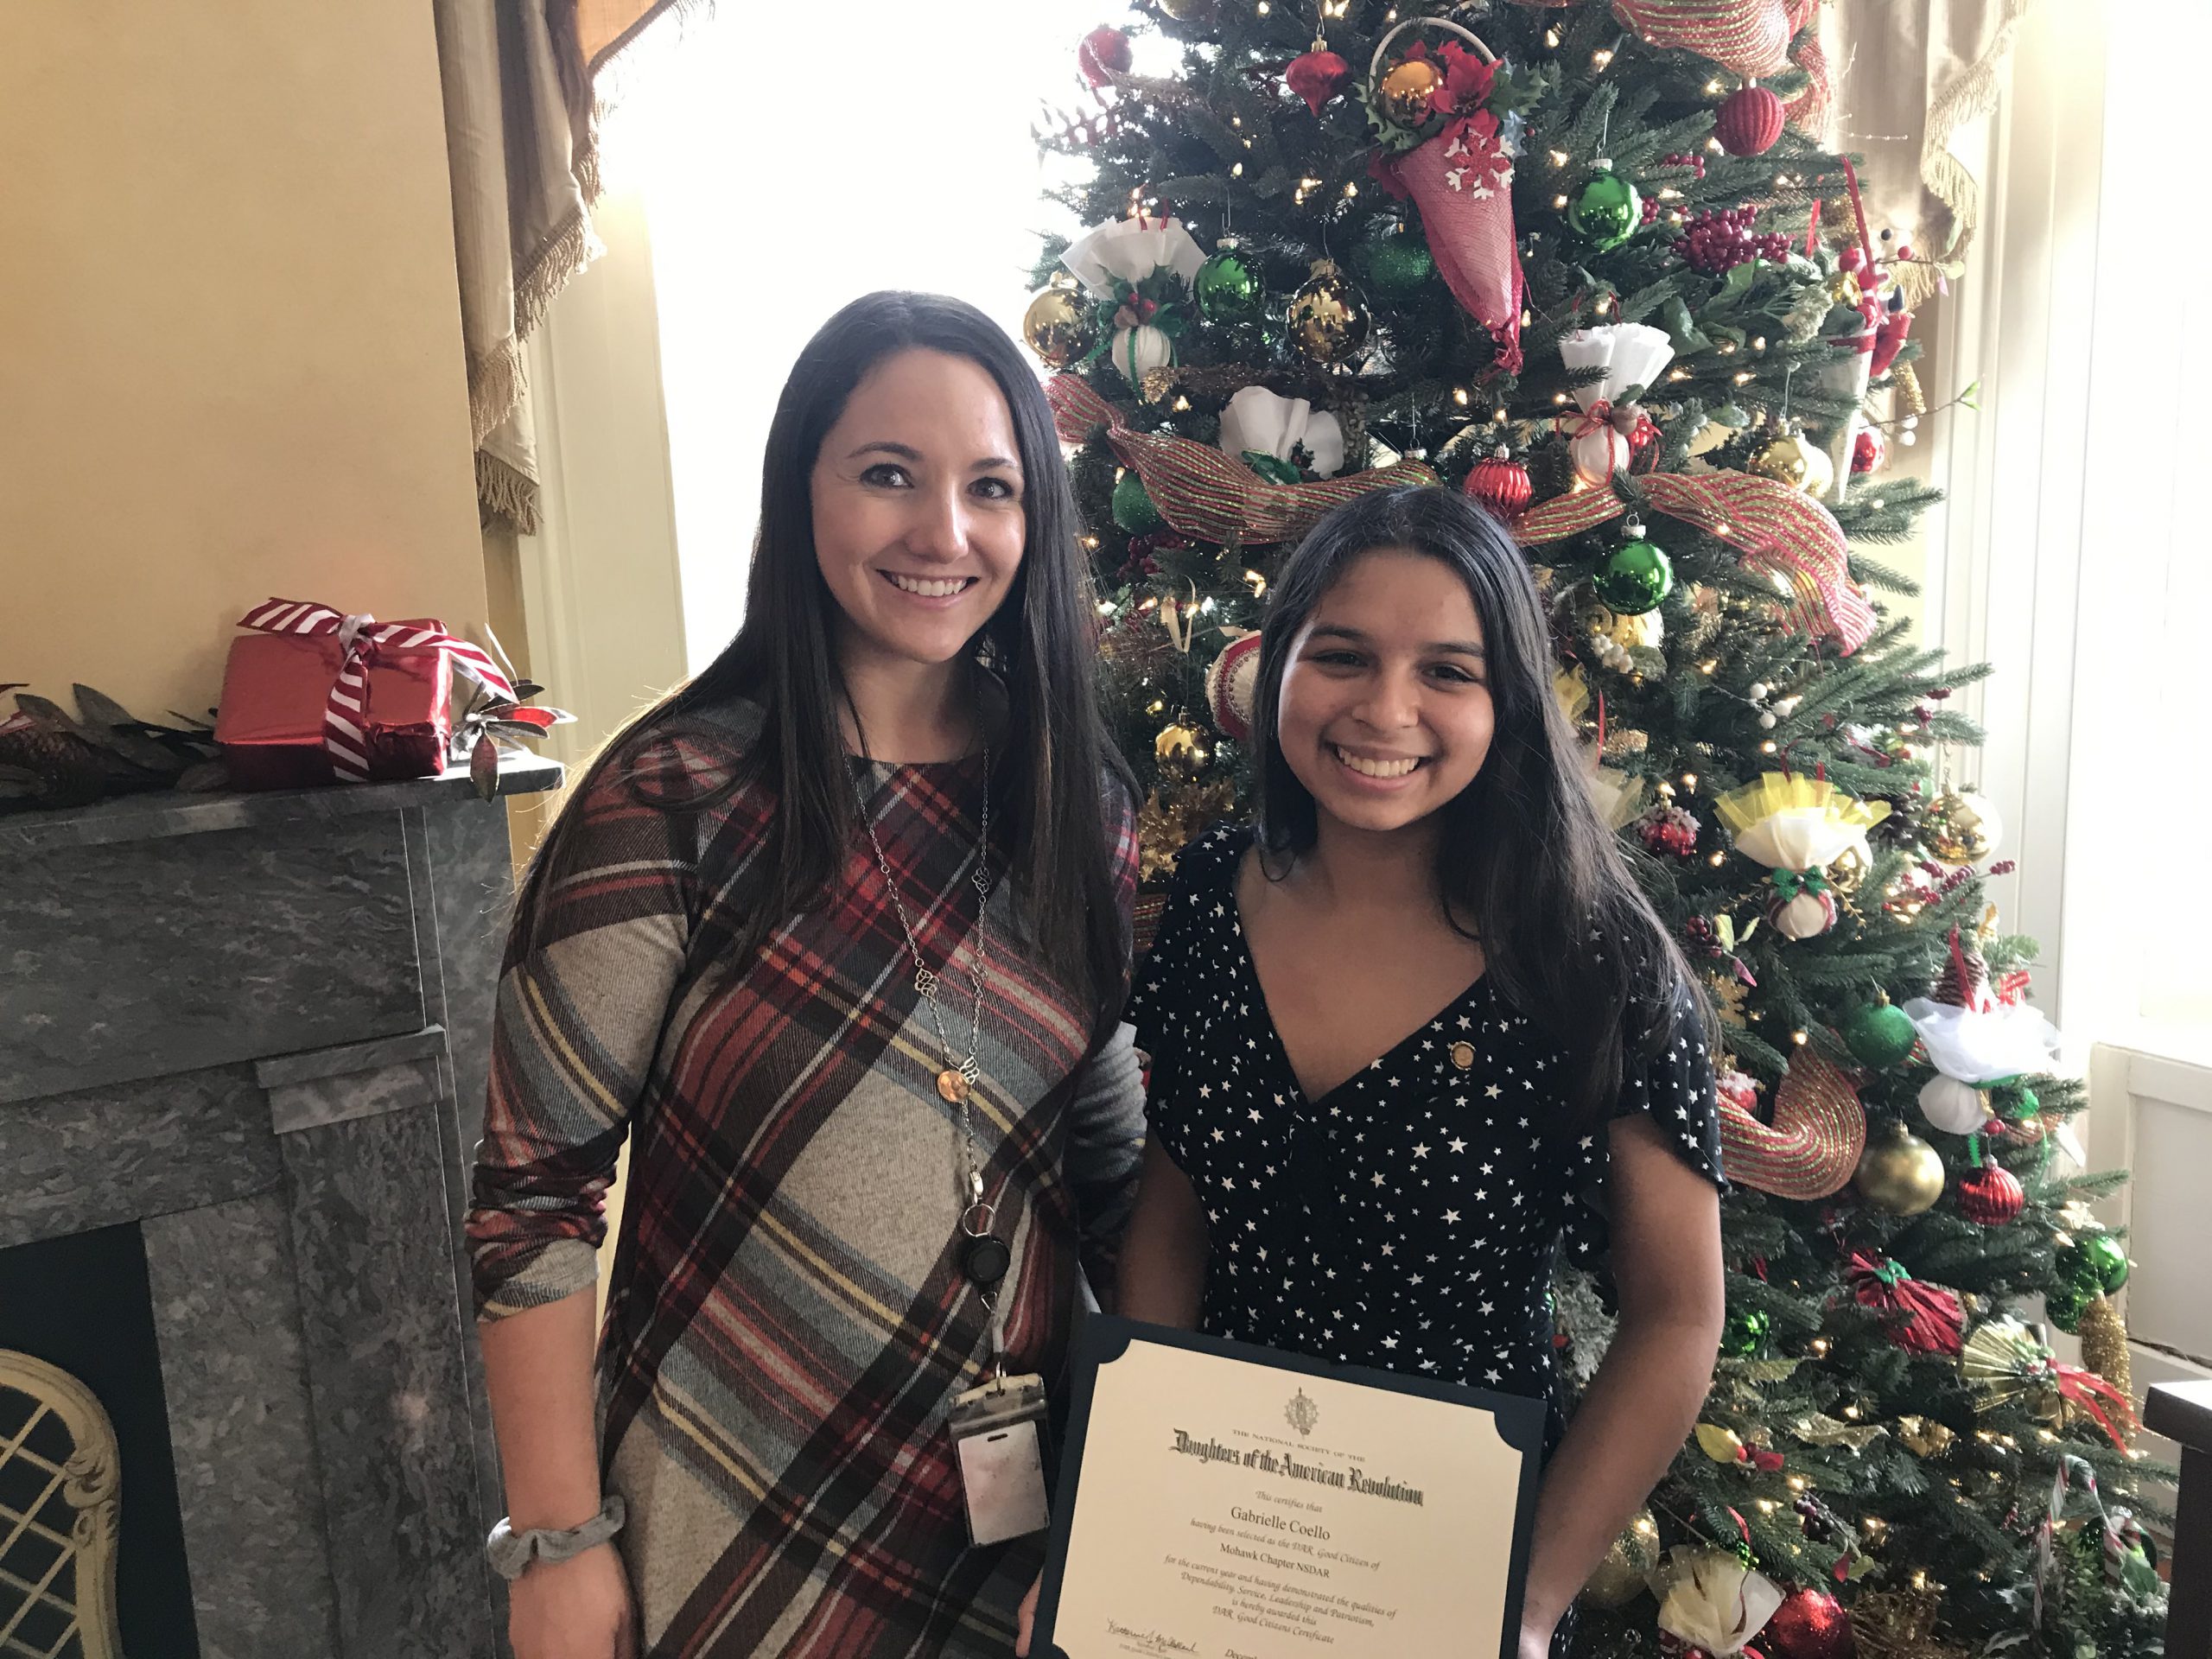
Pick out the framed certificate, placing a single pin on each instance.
(1227, 1502)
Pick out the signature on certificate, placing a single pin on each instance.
(1150, 1641)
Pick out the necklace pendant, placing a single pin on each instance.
(952, 1085)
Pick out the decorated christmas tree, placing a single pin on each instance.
(1591, 263)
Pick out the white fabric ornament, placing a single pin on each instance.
(1270, 424)
(1806, 917)
(1599, 452)
(1710, 1600)
(1617, 796)
(1633, 355)
(1953, 1107)
(1131, 250)
(1982, 1045)
(1136, 352)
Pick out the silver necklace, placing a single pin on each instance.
(984, 1258)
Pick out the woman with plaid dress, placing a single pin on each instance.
(834, 938)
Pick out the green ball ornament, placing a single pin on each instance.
(1607, 212)
(1879, 1034)
(2063, 1305)
(1133, 508)
(2094, 1264)
(1635, 578)
(1746, 1333)
(1226, 289)
(1399, 264)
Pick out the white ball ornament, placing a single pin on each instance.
(1953, 1107)
(1137, 351)
(1806, 916)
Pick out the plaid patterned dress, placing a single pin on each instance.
(787, 1322)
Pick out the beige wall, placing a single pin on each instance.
(230, 348)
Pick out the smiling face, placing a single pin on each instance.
(1384, 715)
(918, 521)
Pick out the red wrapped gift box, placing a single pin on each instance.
(276, 694)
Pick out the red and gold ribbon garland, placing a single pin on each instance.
(345, 716)
(1749, 38)
(1201, 491)
(1812, 1148)
(1778, 530)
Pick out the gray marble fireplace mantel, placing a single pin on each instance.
(257, 1026)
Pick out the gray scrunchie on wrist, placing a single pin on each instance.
(512, 1552)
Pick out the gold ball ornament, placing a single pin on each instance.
(1179, 749)
(1326, 319)
(1059, 326)
(1793, 459)
(1404, 92)
(1624, 1573)
(1848, 873)
(1923, 1437)
(1959, 827)
(1899, 1173)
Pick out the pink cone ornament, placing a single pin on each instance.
(1462, 181)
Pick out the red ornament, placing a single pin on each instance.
(1991, 1196)
(1921, 1319)
(1669, 830)
(1810, 1624)
(1103, 55)
(1231, 683)
(1500, 483)
(1869, 450)
(1317, 77)
(1749, 122)
(1741, 1092)
(1888, 340)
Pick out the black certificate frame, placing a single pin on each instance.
(1104, 1338)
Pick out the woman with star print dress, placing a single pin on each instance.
(1415, 1028)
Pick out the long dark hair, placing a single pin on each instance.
(1049, 771)
(1525, 864)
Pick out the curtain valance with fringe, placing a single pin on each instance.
(518, 76)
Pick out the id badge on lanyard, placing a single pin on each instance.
(998, 1440)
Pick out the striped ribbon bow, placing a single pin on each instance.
(362, 640)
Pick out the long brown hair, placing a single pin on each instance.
(1055, 758)
(1524, 864)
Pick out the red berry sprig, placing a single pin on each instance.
(1718, 240)
(1692, 159)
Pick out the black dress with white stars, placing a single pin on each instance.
(1408, 1219)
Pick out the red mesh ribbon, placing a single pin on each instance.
(1809, 108)
(1778, 530)
(1752, 37)
(1462, 181)
(1921, 1319)
(1812, 1147)
(1200, 491)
